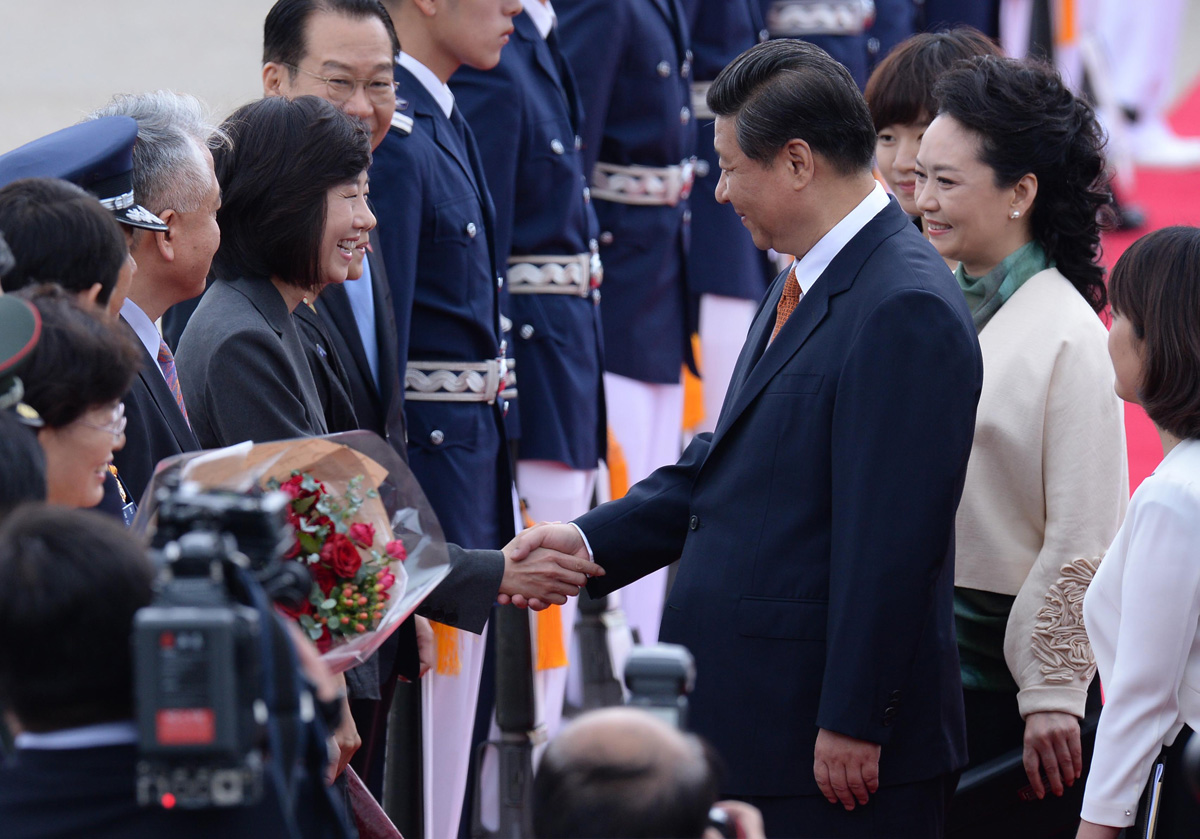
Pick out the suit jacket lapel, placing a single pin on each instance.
(164, 400)
(839, 276)
(385, 330)
(336, 304)
(527, 31)
(444, 134)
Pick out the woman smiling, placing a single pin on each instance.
(293, 212)
(1009, 182)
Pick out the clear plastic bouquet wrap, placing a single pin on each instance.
(363, 529)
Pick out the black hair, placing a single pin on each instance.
(583, 796)
(286, 154)
(1029, 122)
(283, 30)
(900, 90)
(1156, 286)
(59, 233)
(787, 89)
(22, 464)
(80, 361)
(72, 581)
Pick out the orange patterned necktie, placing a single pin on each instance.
(787, 302)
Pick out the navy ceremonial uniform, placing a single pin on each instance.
(529, 110)
(436, 226)
(632, 62)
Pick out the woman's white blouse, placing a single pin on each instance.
(1142, 613)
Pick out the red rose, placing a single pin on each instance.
(292, 487)
(306, 608)
(362, 534)
(341, 555)
(325, 641)
(395, 549)
(387, 580)
(324, 577)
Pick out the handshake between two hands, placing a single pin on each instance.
(545, 565)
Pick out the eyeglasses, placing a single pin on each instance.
(115, 427)
(340, 88)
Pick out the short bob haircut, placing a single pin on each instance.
(72, 582)
(787, 89)
(59, 233)
(286, 154)
(80, 362)
(1029, 122)
(1155, 285)
(900, 90)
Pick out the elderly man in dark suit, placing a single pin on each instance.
(815, 525)
(172, 174)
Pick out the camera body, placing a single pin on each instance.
(202, 688)
(659, 679)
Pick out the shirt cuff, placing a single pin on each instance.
(586, 543)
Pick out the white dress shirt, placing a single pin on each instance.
(439, 90)
(145, 329)
(542, 15)
(84, 737)
(1142, 613)
(813, 264)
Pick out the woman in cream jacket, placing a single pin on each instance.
(1009, 182)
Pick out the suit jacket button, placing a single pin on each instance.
(556, 146)
(694, 522)
(663, 68)
(471, 229)
(437, 437)
(527, 331)
(606, 237)
(685, 115)
(895, 697)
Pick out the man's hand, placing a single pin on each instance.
(545, 564)
(346, 740)
(1052, 743)
(846, 769)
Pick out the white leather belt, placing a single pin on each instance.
(797, 18)
(466, 381)
(700, 107)
(643, 185)
(576, 275)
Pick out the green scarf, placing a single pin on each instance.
(985, 295)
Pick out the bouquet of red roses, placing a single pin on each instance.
(362, 527)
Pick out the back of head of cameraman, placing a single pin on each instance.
(72, 581)
(623, 773)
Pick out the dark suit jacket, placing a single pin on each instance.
(435, 235)
(636, 113)
(155, 427)
(815, 525)
(528, 110)
(329, 373)
(243, 370)
(379, 408)
(70, 793)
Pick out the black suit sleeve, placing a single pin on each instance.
(465, 598)
(903, 424)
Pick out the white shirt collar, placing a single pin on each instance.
(86, 737)
(813, 264)
(437, 88)
(542, 15)
(141, 324)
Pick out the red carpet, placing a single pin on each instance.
(1168, 197)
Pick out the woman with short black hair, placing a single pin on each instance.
(1010, 177)
(75, 379)
(293, 189)
(1143, 607)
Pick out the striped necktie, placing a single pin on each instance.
(787, 302)
(166, 362)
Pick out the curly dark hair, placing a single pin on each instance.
(900, 90)
(1030, 123)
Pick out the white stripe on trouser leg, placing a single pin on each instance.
(447, 721)
(646, 419)
(724, 324)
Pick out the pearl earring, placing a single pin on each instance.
(1015, 214)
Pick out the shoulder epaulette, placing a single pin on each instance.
(402, 123)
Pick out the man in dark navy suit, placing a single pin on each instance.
(172, 174)
(632, 61)
(529, 110)
(815, 525)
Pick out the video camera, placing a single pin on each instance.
(212, 669)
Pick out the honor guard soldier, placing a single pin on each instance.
(98, 156)
(725, 269)
(436, 235)
(529, 110)
(632, 62)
